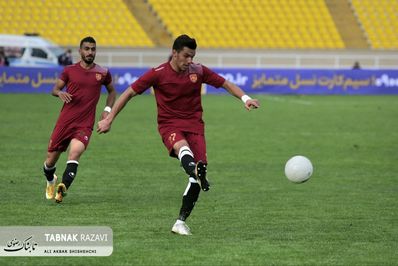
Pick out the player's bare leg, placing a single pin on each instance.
(192, 191)
(76, 150)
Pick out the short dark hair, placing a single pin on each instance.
(87, 39)
(184, 41)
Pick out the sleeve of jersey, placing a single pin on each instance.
(108, 78)
(64, 75)
(144, 82)
(212, 78)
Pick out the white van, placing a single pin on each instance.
(30, 51)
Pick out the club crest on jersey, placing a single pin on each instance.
(98, 76)
(193, 78)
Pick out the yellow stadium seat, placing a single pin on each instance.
(234, 20)
(379, 20)
(52, 18)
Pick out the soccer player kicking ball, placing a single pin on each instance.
(177, 85)
(74, 126)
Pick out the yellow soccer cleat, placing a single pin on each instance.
(50, 189)
(61, 192)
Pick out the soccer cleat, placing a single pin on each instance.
(50, 189)
(200, 172)
(181, 228)
(61, 192)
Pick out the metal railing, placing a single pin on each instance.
(336, 59)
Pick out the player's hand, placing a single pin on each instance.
(65, 97)
(252, 104)
(103, 126)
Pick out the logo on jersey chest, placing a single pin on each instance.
(98, 76)
(193, 78)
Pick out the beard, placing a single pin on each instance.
(88, 60)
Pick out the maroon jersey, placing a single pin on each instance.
(178, 94)
(85, 87)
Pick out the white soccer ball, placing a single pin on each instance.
(298, 169)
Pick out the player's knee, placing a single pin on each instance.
(52, 158)
(179, 144)
(74, 155)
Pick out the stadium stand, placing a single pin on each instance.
(67, 22)
(247, 24)
(268, 33)
(251, 23)
(379, 20)
(347, 24)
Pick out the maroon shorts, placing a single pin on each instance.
(197, 142)
(62, 136)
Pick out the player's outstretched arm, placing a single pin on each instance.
(104, 125)
(240, 94)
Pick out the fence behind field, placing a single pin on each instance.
(298, 59)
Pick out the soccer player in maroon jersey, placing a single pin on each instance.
(177, 85)
(74, 126)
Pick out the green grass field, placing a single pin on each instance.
(346, 214)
